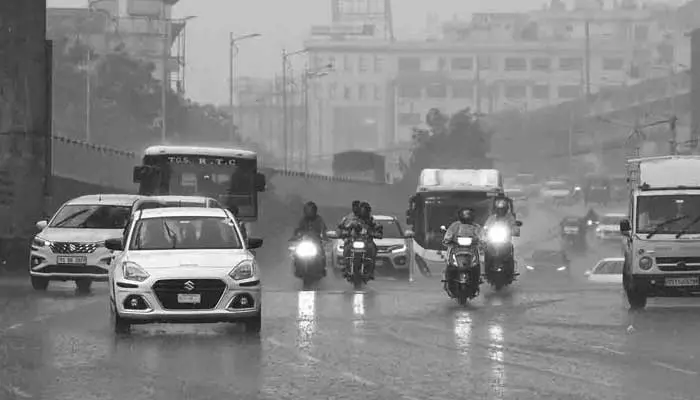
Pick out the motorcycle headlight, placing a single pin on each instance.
(464, 241)
(590, 222)
(358, 245)
(498, 234)
(134, 272)
(39, 242)
(246, 269)
(597, 229)
(306, 250)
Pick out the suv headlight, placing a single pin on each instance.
(134, 272)
(246, 269)
(39, 242)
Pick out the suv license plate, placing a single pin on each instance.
(676, 282)
(73, 260)
(189, 298)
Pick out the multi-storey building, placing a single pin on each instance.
(139, 27)
(381, 89)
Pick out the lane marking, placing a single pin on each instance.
(341, 372)
(672, 368)
(45, 317)
(609, 350)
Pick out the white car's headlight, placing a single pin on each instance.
(498, 234)
(358, 245)
(39, 242)
(134, 272)
(246, 269)
(400, 249)
(306, 249)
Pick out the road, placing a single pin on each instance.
(395, 340)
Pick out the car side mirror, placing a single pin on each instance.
(518, 223)
(41, 225)
(254, 243)
(332, 234)
(115, 244)
(625, 227)
(409, 234)
(260, 182)
(443, 228)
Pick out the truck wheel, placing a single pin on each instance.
(39, 284)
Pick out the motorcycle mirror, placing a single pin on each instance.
(443, 228)
(518, 223)
(332, 234)
(408, 234)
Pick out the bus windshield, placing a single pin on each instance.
(441, 209)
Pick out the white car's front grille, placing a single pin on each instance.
(73, 248)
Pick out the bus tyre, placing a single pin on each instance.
(636, 298)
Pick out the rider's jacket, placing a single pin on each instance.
(348, 220)
(458, 229)
(375, 229)
(315, 226)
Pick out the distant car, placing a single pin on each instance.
(609, 226)
(188, 265)
(548, 262)
(607, 270)
(556, 190)
(392, 249)
(71, 246)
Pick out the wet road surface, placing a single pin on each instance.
(550, 339)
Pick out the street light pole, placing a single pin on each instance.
(165, 80)
(285, 133)
(233, 54)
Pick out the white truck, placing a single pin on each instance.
(661, 238)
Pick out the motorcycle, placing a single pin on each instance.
(358, 263)
(308, 258)
(460, 282)
(499, 255)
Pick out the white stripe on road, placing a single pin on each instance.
(672, 368)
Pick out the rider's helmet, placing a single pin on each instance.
(466, 215)
(356, 207)
(500, 207)
(365, 210)
(310, 210)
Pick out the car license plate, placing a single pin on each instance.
(74, 260)
(189, 298)
(682, 282)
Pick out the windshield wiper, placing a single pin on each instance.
(662, 224)
(70, 217)
(684, 229)
(171, 234)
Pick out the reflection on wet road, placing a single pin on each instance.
(537, 340)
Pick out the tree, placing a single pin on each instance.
(459, 141)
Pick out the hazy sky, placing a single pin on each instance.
(283, 23)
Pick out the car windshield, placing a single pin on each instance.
(392, 229)
(571, 221)
(557, 186)
(608, 268)
(182, 233)
(655, 210)
(88, 216)
(547, 256)
(442, 210)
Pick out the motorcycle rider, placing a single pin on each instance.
(352, 217)
(464, 227)
(501, 214)
(363, 219)
(313, 224)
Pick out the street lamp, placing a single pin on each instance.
(310, 74)
(285, 116)
(232, 46)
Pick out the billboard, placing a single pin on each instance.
(145, 8)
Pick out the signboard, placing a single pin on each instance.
(199, 160)
(145, 8)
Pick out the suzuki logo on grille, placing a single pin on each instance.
(189, 286)
(72, 247)
(681, 264)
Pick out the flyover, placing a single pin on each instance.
(79, 167)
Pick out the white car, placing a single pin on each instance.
(556, 190)
(609, 226)
(176, 201)
(392, 249)
(186, 265)
(70, 247)
(607, 270)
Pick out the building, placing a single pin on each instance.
(380, 89)
(139, 27)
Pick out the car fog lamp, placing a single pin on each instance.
(244, 301)
(134, 303)
(358, 245)
(498, 234)
(306, 249)
(645, 263)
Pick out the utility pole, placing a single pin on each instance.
(285, 133)
(305, 91)
(166, 81)
(88, 98)
(231, 47)
(588, 59)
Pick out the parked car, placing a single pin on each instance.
(607, 270)
(187, 265)
(71, 245)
